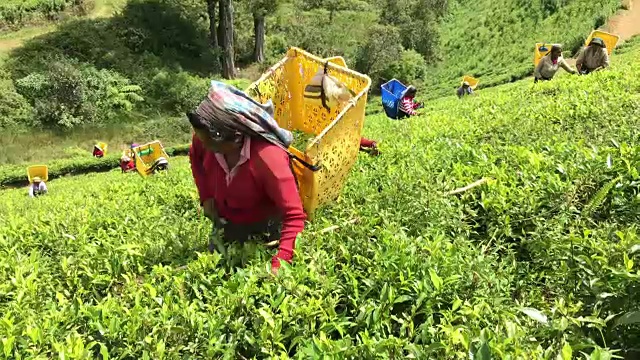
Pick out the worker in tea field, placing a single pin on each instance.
(594, 57)
(97, 151)
(126, 163)
(369, 146)
(408, 104)
(464, 89)
(241, 167)
(37, 187)
(550, 64)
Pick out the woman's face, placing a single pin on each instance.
(555, 53)
(222, 147)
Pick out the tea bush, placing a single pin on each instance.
(541, 261)
(15, 175)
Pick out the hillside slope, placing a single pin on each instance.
(494, 39)
(539, 262)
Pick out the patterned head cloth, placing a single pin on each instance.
(227, 111)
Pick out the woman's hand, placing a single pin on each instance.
(209, 208)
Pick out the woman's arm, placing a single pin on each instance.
(196, 156)
(606, 58)
(566, 67)
(279, 182)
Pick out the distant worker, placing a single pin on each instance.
(127, 164)
(243, 173)
(97, 151)
(37, 187)
(593, 58)
(465, 89)
(369, 146)
(408, 103)
(550, 64)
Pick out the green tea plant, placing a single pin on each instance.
(540, 261)
(494, 40)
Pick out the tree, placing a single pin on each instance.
(213, 30)
(417, 21)
(381, 49)
(225, 39)
(260, 10)
(333, 6)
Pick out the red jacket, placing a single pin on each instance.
(126, 166)
(263, 186)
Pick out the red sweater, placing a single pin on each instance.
(263, 186)
(126, 166)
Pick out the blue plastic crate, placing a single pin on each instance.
(391, 95)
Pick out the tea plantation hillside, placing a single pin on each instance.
(494, 40)
(541, 261)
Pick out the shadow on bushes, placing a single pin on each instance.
(147, 36)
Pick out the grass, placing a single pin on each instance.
(10, 40)
(539, 261)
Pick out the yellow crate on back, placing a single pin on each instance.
(41, 171)
(473, 82)
(610, 40)
(337, 131)
(540, 51)
(146, 155)
(338, 60)
(128, 153)
(102, 146)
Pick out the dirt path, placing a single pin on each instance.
(626, 23)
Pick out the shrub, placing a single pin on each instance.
(410, 67)
(177, 92)
(379, 52)
(15, 110)
(69, 93)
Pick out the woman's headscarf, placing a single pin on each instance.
(228, 110)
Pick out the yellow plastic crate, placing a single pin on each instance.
(128, 153)
(41, 171)
(146, 155)
(102, 146)
(539, 52)
(473, 82)
(337, 131)
(338, 60)
(610, 40)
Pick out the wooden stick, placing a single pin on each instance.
(336, 227)
(468, 187)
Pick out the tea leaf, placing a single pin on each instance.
(435, 279)
(632, 317)
(535, 315)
